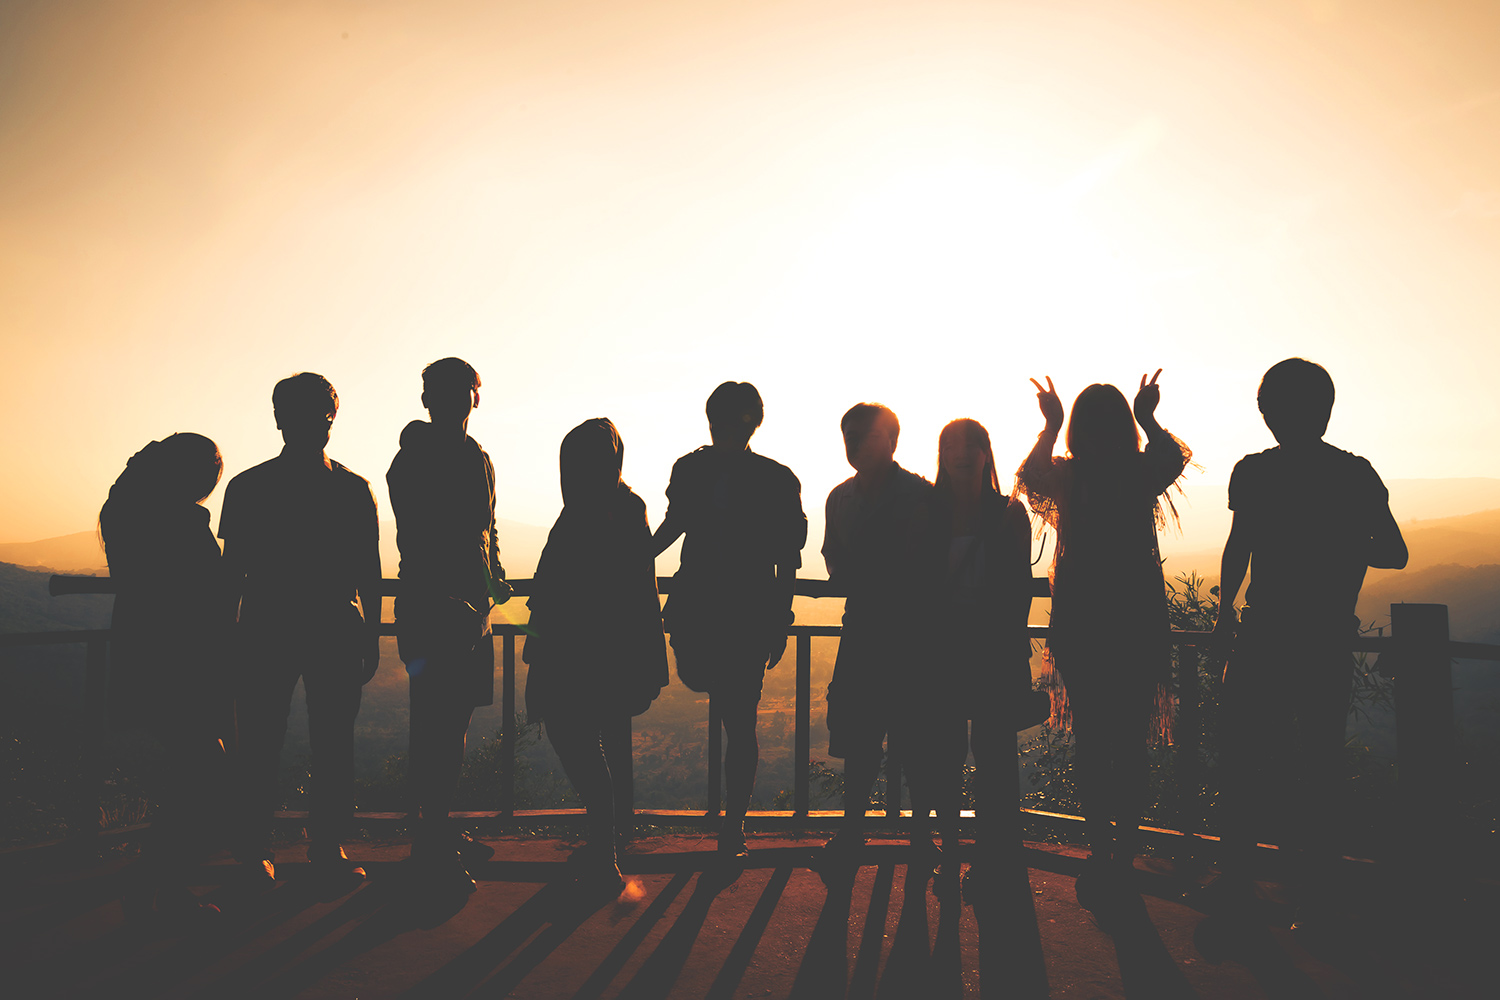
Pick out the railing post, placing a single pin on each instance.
(1424, 720)
(802, 743)
(508, 728)
(715, 757)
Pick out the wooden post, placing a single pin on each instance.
(715, 758)
(802, 743)
(508, 728)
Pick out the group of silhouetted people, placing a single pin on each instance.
(937, 578)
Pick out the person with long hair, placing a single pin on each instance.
(731, 599)
(167, 673)
(979, 583)
(595, 647)
(1109, 637)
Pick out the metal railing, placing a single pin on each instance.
(1418, 645)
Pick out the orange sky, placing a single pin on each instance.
(610, 207)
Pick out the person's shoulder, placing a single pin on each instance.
(1258, 464)
(909, 482)
(348, 479)
(255, 476)
(413, 435)
(1355, 468)
(842, 490)
(692, 462)
(771, 469)
(630, 503)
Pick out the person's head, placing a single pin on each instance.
(305, 405)
(450, 390)
(1101, 425)
(870, 434)
(734, 412)
(964, 453)
(1296, 398)
(590, 460)
(179, 469)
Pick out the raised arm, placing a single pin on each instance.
(1166, 455)
(1039, 475)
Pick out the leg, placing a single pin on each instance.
(333, 696)
(741, 759)
(262, 706)
(578, 740)
(439, 728)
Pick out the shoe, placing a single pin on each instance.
(259, 874)
(330, 861)
(442, 873)
(1096, 889)
(183, 909)
(473, 851)
(731, 846)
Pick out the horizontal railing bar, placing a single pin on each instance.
(53, 638)
(61, 584)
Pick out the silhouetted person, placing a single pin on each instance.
(978, 584)
(1308, 519)
(597, 654)
(731, 599)
(442, 487)
(1109, 637)
(167, 671)
(301, 545)
(873, 546)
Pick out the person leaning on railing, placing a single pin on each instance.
(442, 488)
(731, 599)
(168, 673)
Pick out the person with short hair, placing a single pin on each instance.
(442, 489)
(731, 599)
(1309, 519)
(876, 523)
(302, 557)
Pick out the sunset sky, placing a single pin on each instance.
(610, 207)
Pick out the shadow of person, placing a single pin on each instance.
(1146, 968)
(824, 971)
(1220, 938)
(1011, 963)
(659, 973)
(908, 969)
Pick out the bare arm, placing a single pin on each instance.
(234, 579)
(1387, 547)
(668, 532)
(1232, 570)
